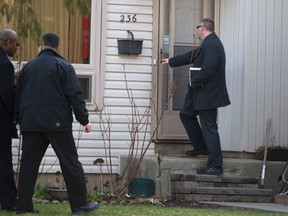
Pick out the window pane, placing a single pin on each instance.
(180, 79)
(73, 31)
(85, 83)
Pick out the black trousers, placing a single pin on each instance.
(205, 137)
(34, 147)
(8, 190)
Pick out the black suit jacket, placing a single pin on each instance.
(7, 96)
(48, 91)
(208, 84)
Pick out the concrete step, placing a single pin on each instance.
(233, 167)
(195, 187)
(194, 180)
(225, 191)
(222, 198)
(213, 178)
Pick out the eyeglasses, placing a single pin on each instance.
(200, 26)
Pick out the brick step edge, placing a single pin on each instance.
(224, 191)
(194, 184)
(221, 198)
(214, 178)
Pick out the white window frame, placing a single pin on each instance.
(93, 69)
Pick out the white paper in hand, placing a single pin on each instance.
(191, 69)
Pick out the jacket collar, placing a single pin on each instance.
(208, 38)
(48, 51)
(3, 53)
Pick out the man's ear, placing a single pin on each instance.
(40, 48)
(8, 42)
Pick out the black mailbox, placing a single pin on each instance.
(130, 46)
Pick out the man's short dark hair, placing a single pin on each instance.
(209, 24)
(50, 39)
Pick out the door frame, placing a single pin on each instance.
(158, 121)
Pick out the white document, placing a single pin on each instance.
(190, 72)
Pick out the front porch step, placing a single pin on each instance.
(213, 178)
(193, 187)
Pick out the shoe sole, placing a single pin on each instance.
(85, 211)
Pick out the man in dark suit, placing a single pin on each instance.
(207, 91)
(48, 94)
(9, 43)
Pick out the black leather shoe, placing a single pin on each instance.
(92, 206)
(210, 171)
(33, 211)
(196, 152)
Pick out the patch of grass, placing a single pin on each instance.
(42, 192)
(96, 196)
(103, 196)
(144, 210)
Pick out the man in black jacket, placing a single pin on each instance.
(48, 90)
(9, 43)
(207, 91)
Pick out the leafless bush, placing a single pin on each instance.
(139, 122)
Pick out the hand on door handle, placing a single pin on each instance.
(165, 61)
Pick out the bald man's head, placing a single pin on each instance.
(9, 41)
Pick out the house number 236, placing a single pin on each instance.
(128, 18)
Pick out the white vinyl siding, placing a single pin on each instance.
(255, 37)
(138, 69)
(254, 34)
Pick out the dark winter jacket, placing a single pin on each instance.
(209, 83)
(47, 92)
(7, 96)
